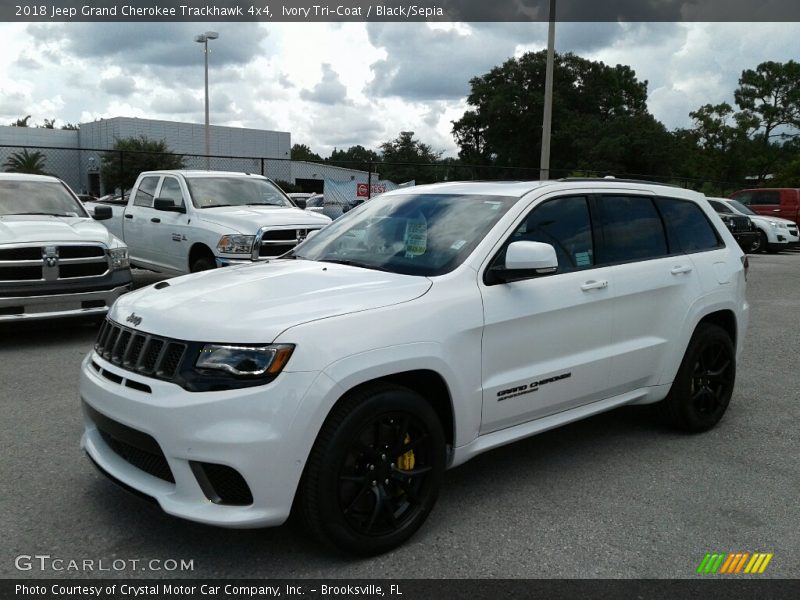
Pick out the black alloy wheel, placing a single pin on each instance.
(375, 470)
(703, 386)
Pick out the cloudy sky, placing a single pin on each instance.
(336, 85)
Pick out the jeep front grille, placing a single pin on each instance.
(139, 352)
(52, 262)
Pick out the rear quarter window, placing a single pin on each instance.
(688, 228)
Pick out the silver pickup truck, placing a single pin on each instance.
(55, 261)
(178, 222)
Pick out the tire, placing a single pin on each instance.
(760, 245)
(374, 472)
(204, 263)
(703, 387)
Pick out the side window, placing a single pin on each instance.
(564, 223)
(171, 190)
(632, 229)
(765, 198)
(688, 228)
(715, 204)
(744, 197)
(145, 191)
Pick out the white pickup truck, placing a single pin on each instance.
(186, 221)
(55, 261)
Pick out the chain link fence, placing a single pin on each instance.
(100, 172)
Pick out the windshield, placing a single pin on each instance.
(208, 192)
(741, 208)
(38, 198)
(414, 234)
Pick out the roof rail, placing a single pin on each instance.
(615, 180)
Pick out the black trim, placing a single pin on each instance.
(124, 486)
(114, 279)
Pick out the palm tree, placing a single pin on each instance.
(25, 162)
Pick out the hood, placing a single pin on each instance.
(248, 219)
(22, 229)
(254, 303)
(767, 219)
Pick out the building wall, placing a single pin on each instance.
(64, 164)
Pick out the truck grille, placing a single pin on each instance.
(143, 353)
(56, 262)
(740, 224)
(274, 242)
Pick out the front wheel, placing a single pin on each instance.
(374, 472)
(703, 387)
(204, 263)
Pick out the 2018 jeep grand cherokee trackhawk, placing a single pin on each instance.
(419, 330)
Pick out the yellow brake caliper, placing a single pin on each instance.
(405, 462)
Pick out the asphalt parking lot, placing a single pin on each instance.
(612, 496)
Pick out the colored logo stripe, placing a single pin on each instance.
(733, 563)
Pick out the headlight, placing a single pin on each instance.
(245, 361)
(236, 244)
(119, 258)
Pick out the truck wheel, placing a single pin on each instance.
(703, 386)
(204, 263)
(374, 472)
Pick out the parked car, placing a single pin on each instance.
(329, 206)
(772, 202)
(744, 231)
(187, 221)
(55, 261)
(429, 326)
(775, 234)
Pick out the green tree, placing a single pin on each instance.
(600, 118)
(70, 126)
(120, 167)
(354, 154)
(25, 162)
(404, 159)
(48, 124)
(23, 122)
(303, 152)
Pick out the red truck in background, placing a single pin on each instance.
(772, 202)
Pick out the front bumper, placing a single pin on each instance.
(255, 431)
(60, 305)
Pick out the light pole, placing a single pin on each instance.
(203, 38)
(544, 164)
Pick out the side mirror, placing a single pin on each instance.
(525, 260)
(168, 205)
(102, 213)
(311, 234)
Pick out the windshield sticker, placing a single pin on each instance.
(458, 245)
(582, 259)
(493, 204)
(416, 237)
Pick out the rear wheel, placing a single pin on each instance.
(703, 387)
(374, 473)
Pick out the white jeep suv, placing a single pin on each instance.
(419, 330)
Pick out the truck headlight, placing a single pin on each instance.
(236, 244)
(245, 361)
(119, 258)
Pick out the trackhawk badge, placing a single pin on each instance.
(133, 318)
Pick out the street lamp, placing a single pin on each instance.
(203, 38)
(547, 120)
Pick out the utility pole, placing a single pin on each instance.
(203, 38)
(544, 164)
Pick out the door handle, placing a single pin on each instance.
(776, 210)
(594, 285)
(128, 216)
(677, 270)
(155, 220)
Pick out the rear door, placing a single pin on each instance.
(653, 287)
(763, 202)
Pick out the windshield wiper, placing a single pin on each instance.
(215, 205)
(262, 204)
(353, 263)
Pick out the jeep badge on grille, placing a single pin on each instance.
(133, 318)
